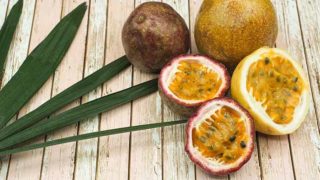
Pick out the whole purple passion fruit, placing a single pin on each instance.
(188, 81)
(220, 136)
(153, 34)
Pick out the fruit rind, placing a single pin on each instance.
(153, 34)
(237, 92)
(228, 30)
(178, 105)
(226, 169)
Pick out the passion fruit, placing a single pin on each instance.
(220, 136)
(188, 81)
(153, 34)
(229, 30)
(272, 86)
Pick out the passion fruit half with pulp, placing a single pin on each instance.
(220, 136)
(272, 86)
(188, 81)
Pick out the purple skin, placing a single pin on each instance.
(153, 34)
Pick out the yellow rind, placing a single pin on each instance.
(260, 124)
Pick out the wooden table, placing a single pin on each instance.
(158, 153)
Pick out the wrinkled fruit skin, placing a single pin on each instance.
(153, 34)
(197, 161)
(229, 30)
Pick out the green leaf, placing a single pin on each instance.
(90, 136)
(82, 112)
(67, 96)
(39, 65)
(7, 32)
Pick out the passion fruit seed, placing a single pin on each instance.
(232, 138)
(243, 144)
(266, 61)
(191, 80)
(279, 95)
(223, 135)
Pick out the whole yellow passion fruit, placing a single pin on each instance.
(229, 30)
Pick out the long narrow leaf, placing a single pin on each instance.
(7, 31)
(82, 112)
(39, 65)
(90, 136)
(67, 96)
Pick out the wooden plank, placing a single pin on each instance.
(194, 6)
(275, 151)
(20, 167)
(306, 141)
(87, 151)
(4, 162)
(3, 10)
(17, 54)
(310, 23)
(113, 154)
(59, 161)
(176, 164)
(146, 146)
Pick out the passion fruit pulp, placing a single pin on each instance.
(188, 81)
(220, 136)
(274, 89)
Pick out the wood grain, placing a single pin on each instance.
(146, 146)
(59, 161)
(158, 153)
(42, 24)
(113, 158)
(87, 152)
(17, 54)
(176, 164)
(3, 10)
(4, 161)
(309, 16)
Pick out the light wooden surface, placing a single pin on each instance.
(158, 153)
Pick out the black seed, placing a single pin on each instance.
(295, 79)
(278, 79)
(243, 144)
(201, 90)
(232, 138)
(266, 61)
(295, 88)
(209, 89)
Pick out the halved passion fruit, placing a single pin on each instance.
(273, 88)
(188, 81)
(220, 136)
